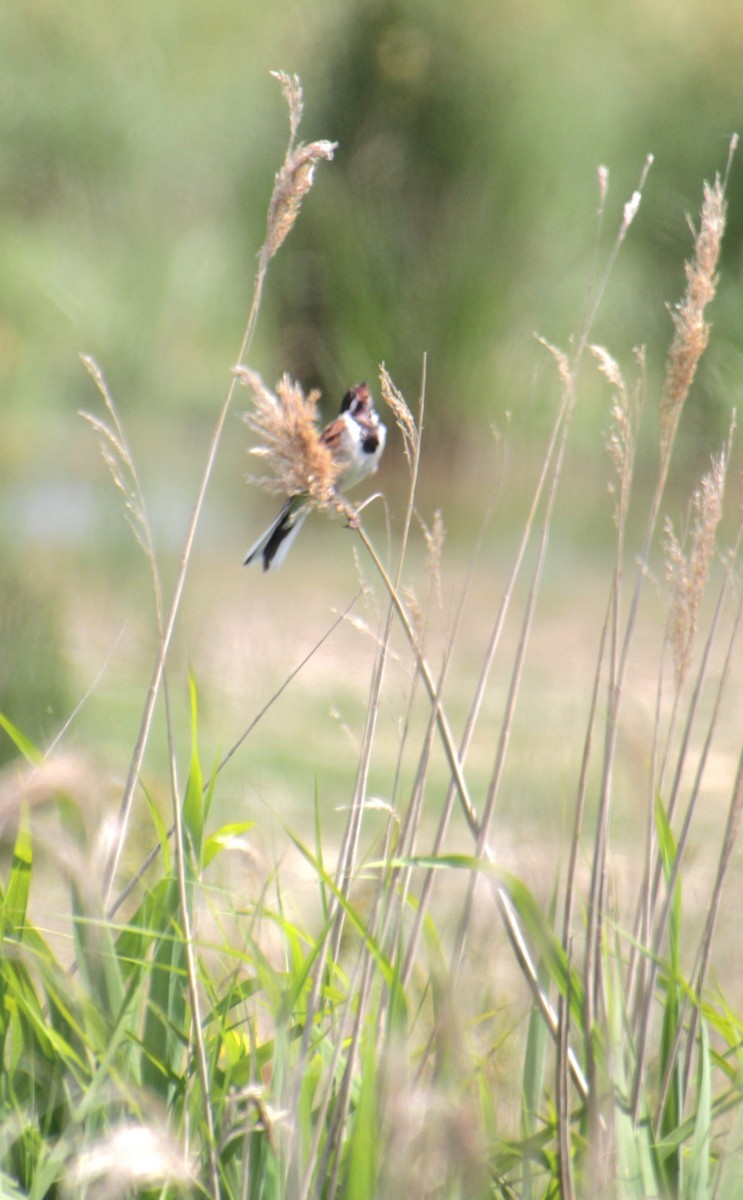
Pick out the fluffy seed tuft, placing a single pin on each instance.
(297, 173)
(691, 330)
(687, 574)
(394, 398)
(625, 418)
(287, 425)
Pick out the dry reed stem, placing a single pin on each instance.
(277, 215)
(121, 464)
(349, 846)
(506, 908)
(291, 185)
(684, 1029)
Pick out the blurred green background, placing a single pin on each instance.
(138, 146)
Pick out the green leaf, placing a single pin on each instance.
(362, 1167)
(697, 1180)
(15, 901)
(224, 839)
(162, 1036)
(30, 752)
(359, 925)
(535, 1058)
(161, 829)
(193, 804)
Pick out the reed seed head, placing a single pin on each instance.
(286, 422)
(293, 182)
(297, 173)
(691, 330)
(625, 419)
(687, 573)
(394, 398)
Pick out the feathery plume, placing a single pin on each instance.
(118, 458)
(625, 413)
(561, 360)
(394, 398)
(687, 574)
(691, 330)
(297, 173)
(434, 538)
(127, 1158)
(287, 424)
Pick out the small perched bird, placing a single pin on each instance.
(356, 440)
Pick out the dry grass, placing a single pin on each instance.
(691, 329)
(688, 573)
(363, 1048)
(287, 425)
(297, 173)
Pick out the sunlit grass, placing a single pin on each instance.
(424, 911)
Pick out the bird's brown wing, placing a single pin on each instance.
(332, 435)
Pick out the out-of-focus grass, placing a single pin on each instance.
(137, 146)
(457, 217)
(137, 155)
(189, 1006)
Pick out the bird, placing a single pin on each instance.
(356, 440)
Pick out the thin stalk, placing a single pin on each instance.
(507, 911)
(644, 1019)
(479, 695)
(343, 1098)
(703, 954)
(515, 681)
(292, 183)
(399, 880)
(447, 739)
(728, 844)
(349, 849)
(690, 716)
(148, 713)
(562, 1091)
(347, 854)
(321, 1111)
(118, 456)
(197, 1031)
(155, 852)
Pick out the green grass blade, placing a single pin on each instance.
(15, 899)
(163, 1036)
(224, 839)
(95, 954)
(637, 1177)
(161, 829)
(696, 1183)
(532, 1091)
(671, 1116)
(363, 1149)
(24, 745)
(193, 804)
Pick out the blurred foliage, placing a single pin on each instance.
(462, 214)
(34, 692)
(138, 145)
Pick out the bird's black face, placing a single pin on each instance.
(356, 400)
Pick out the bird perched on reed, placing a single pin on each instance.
(354, 443)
